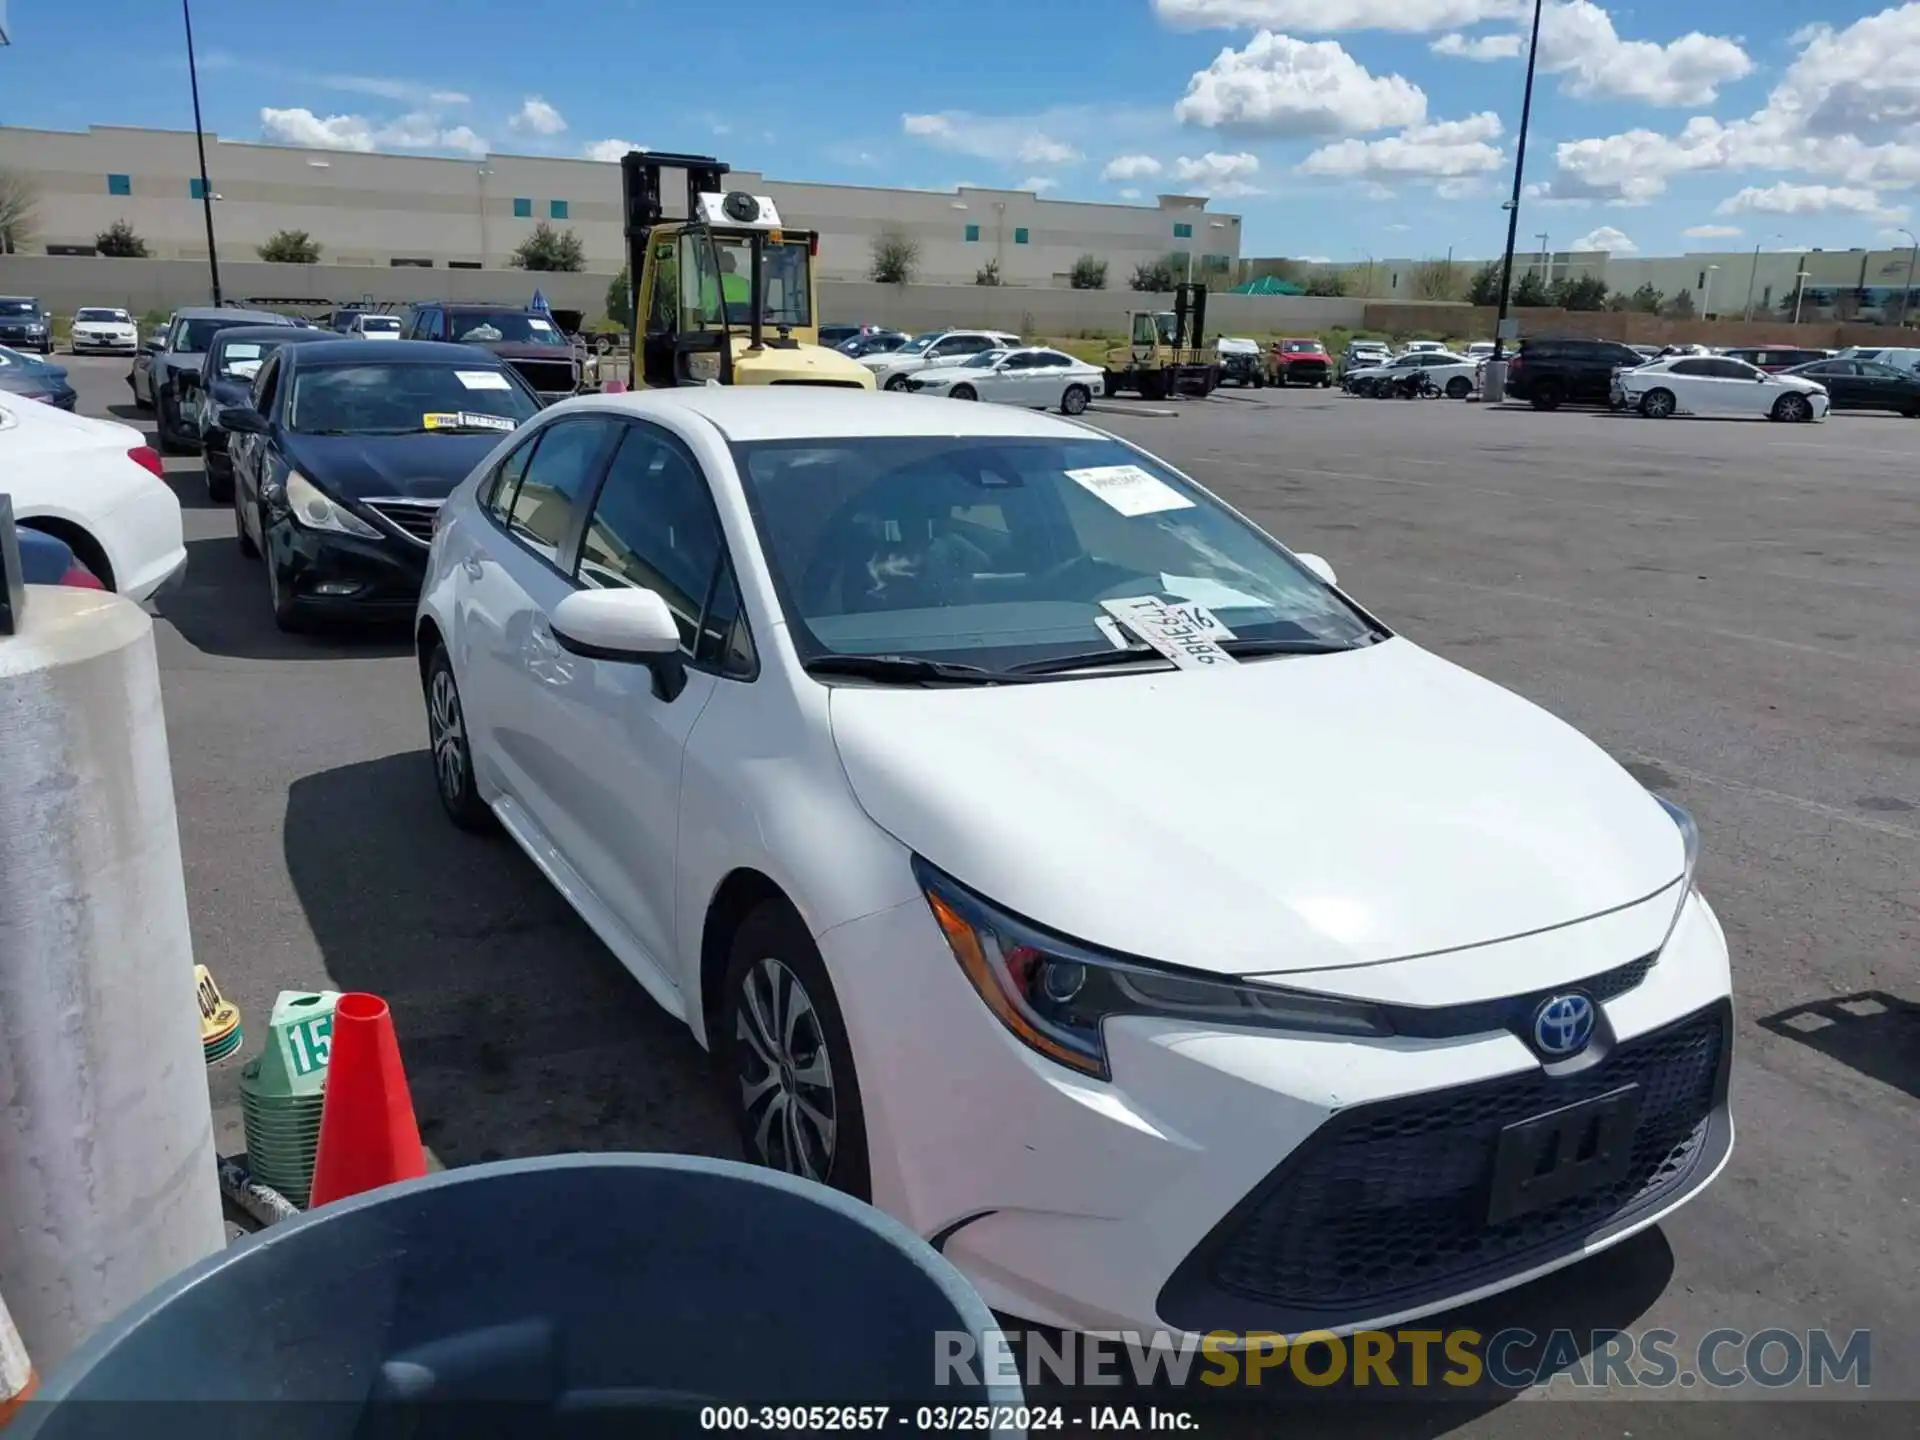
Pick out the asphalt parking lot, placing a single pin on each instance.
(1733, 610)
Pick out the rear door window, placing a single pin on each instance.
(564, 466)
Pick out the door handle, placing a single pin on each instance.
(473, 568)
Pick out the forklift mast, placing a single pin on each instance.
(642, 207)
(1189, 315)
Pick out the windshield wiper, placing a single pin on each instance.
(908, 669)
(1239, 649)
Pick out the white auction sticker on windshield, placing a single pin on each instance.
(242, 351)
(1130, 490)
(246, 369)
(539, 325)
(483, 379)
(1188, 635)
(473, 421)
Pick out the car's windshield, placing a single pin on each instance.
(191, 337)
(497, 327)
(406, 400)
(19, 307)
(381, 324)
(921, 342)
(241, 359)
(786, 281)
(1302, 347)
(997, 551)
(102, 317)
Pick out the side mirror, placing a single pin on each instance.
(1319, 567)
(633, 626)
(243, 420)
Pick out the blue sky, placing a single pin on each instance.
(1339, 128)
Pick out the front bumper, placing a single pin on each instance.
(346, 575)
(1226, 1180)
(1304, 372)
(102, 345)
(18, 337)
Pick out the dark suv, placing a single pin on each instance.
(529, 340)
(25, 324)
(1550, 373)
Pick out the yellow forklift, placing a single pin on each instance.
(726, 295)
(1166, 353)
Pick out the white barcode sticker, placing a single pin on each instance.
(482, 379)
(1130, 490)
(1188, 635)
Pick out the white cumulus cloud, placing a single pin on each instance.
(1786, 198)
(1481, 47)
(1282, 86)
(1039, 184)
(1130, 167)
(1577, 40)
(300, 126)
(1711, 232)
(1449, 148)
(1013, 140)
(1606, 238)
(536, 117)
(1329, 16)
(608, 150)
(1214, 174)
(1129, 194)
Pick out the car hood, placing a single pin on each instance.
(1287, 814)
(357, 467)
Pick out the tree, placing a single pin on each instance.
(1433, 280)
(620, 298)
(896, 259)
(1089, 273)
(1580, 292)
(119, 241)
(291, 247)
(1680, 307)
(987, 274)
(1532, 291)
(1845, 305)
(1644, 301)
(1328, 283)
(550, 249)
(18, 201)
(1152, 276)
(1484, 287)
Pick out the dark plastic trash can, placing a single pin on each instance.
(623, 1294)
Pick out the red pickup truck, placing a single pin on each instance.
(1301, 362)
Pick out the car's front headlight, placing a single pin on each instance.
(316, 510)
(1055, 995)
(1690, 841)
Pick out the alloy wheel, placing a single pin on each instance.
(449, 737)
(785, 1075)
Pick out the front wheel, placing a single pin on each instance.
(288, 617)
(788, 1064)
(1075, 401)
(963, 392)
(1793, 409)
(1459, 388)
(896, 382)
(242, 537)
(452, 755)
(1657, 404)
(1546, 397)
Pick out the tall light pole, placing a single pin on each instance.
(1546, 261)
(200, 139)
(1496, 377)
(1799, 291)
(1906, 295)
(1754, 274)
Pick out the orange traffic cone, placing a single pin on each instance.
(17, 1380)
(368, 1137)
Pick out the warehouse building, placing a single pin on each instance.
(433, 212)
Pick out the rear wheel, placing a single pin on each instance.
(169, 417)
(1546, 396)
(219, 487)
(1459, 387)
(452, 755)
(896, 382)
(1657, 404)
(1075, 400)
(1793, 409)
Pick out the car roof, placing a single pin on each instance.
(244, 333)
(228, 312)
(814, 412)
(334, 349)
(34, 299)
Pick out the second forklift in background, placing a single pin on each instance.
(1166, 353)
(725, 296)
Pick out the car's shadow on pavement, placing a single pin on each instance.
(1873, 1032)
(129, 413)
(189, 487)
(221, 608)
(520, 1032)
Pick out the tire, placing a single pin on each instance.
(1657, 404)
(1075, 400)
(1546, 396)
(896, 383)
(1109, 383)
(772, 969)
(963, 392)
(168, 418)
(141, 402)
(248, 549)
(1327, 384)
(448, 748)
(1459, 388)
(1259, 382)
(1793, 409)
(218, 489)
(288, 617)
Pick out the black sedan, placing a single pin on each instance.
(24, 374)
(343, 461)
(1865, 385)
(234, 360)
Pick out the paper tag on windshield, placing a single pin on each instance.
(1188, 635)
(482, 379)
(440, 422)
(485, 422)
(246, 369)
(240, 351)
(1130, 490)
(539, 325)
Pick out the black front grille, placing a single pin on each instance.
(1514, 1012)
(1385, 1207)
(548, 377)
(414, 518)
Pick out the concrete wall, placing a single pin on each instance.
(1466, 322)
(64, 283)
(371, 209)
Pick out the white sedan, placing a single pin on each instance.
(96, 485)
(1717, 385)
(101, 330)
(953, 772)
(1456, 375)
(936, 347)
(1037, 378)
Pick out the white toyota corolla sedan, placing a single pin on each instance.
(1059, 861)
(1718, 385)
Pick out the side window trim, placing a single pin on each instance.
(562, 563)
(723, 563)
